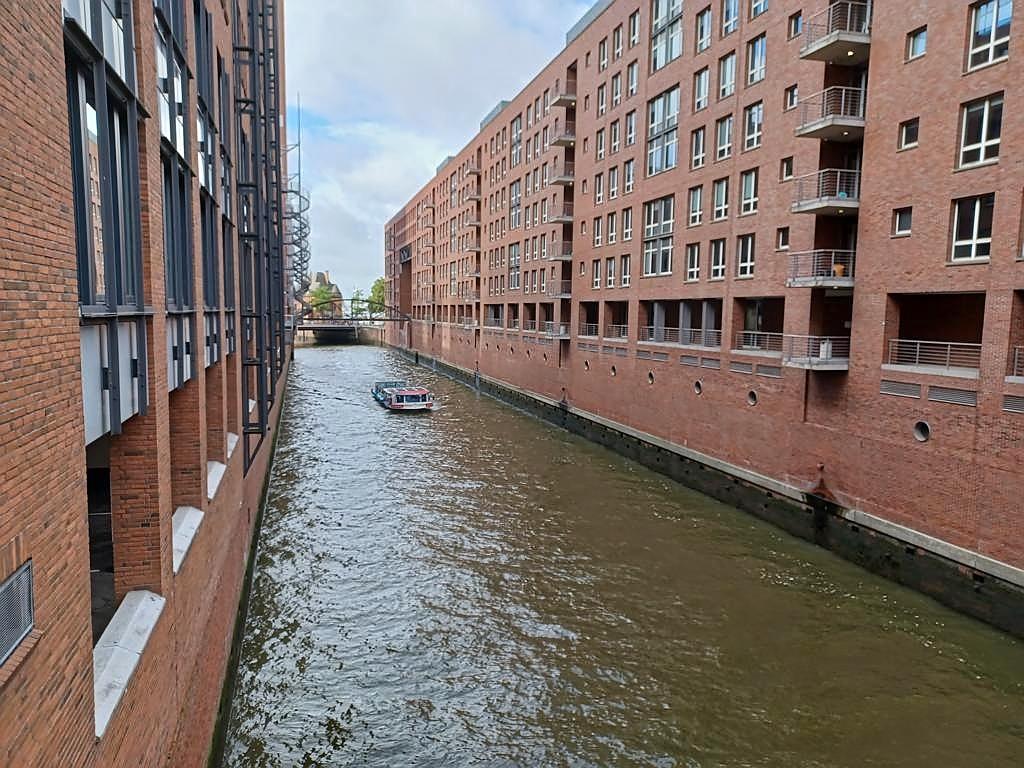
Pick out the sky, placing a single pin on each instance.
(388, 89)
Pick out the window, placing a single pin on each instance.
(627, 173)
(596, 268)
(791, 97)
(990, 32)
(703, 35)
(663, 114)
(617, 42)
(634, 28)
(700, 89)
(908, 133)
(627, 224)
(658, 224)
(692, 262)
(696, 205)
(721, 190)
(616, 89)
(901, 219)
(757, 59)
(981, 130)
(753, 123)
(717, 260)
(631, 128)
(786, 169)
(748, 191)
(727, 75)
(614, 140)
(602, 99)
(697, 151)
(757, 7)
(972, 227)
(782, 239)
(599, 188)
(602, 55)
(611, 234)
(17, 607)
(609, 271)
(730, 16)
(917, 43)
(796, 25)
(666, 32)
(613, 182)
(632, 76)
(723, 138)
(599, 144)
(624, 270)
(745, 256)
(597, 231)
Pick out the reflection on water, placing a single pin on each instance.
(473, 587)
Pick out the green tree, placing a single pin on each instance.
(321, 298)
(358, 303)
(377, 299)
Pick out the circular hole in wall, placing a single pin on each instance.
(751, 397)
(586, 365)
(511, 350)
(698, 387)
(545, 357)
(614, 371)
(528, 353)
(650, 377)
(922, 432)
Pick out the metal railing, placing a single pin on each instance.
(615, 331)
(471, 194)
(934, 354)
(842, 16)
(567, 91)
(837, 101)
(821, 264)
(559, 288)
(588, 329)
(701, 337)
(468, 322)
(471, 245)
(759, 341)
(1018, 361)
(473, 167)
(566, 133)
(560, 249)
(494, 322)
(552, 328)
(661, 335)
(513, 324)
(530, 325)
(566, 170)
(560, 212)
(811, 348)
(831, 183)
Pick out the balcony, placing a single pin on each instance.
(565, 136)
(701, 337)
(564, 96)
(529, 326)
(831, 192)
(471, 195)
(560, 250)
(428, 206)
(513, 324)
(937, 357)
(473, 220)
(1018, 362)
(564, 174)
(469, 323)
(840, 34)
(821, 269)
(560, 289)
(556, 330)
(816, 353)
(471, 246)
(759, 343)
(613, 331)
(588, 329)
(494, 322)
(562, 214)
(473, 169)
(835, 114)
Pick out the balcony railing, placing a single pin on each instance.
(659, 335)
(701, 337)
(565, 95)
(471, 245)
(513, 324)
(831, 188)
(529, 326)
(468, 322)
(588, 329)
(564, 173)
(473, 168)
(822, 267)
(835, 113)
(560, 250)
(471, 195)
(562, 213)
(565, 136)
(759, 341)
(844, 22)
(494, 322)
(822, 352)
(1018, 361)
(615, 331)
(560, 288)
(556, 330)
(945, 355)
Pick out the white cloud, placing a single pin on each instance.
(395, 87)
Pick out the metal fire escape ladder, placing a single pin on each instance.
(274, 192)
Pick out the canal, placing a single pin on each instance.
(474, 587)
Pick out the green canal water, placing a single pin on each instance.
(474, 587)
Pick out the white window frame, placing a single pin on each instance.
(717, 271)
(779, 233)
(602, 55)
(723, 150)
(628, 171)
(631, 128)
(757, 7)
(617, 43)
(611, 234)
(720, 201)
(792, 97)
(627, 224)
(695, 199)
(596, 268)
(634, 28)
(745, 254)
(904, 142)
(703, 31)
(597, 231)
(753, 133)
(602, 99)
(692, 262)
(609, 272)
(757, 59)
(986, 145)
(992, 43)
(701, 83)
(748, 191)
(632, 78)
(730, 16)
(921, 33)
(897, 229)
(616, 89)
(613, 182)
(698, 147)
(599, 188)
(727, 75)
(976, 239)
(783, 174)
(624, 265)
(599, 144)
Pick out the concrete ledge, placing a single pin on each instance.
(232, 443)
(118, 652)
(184, 524)
(214, 474)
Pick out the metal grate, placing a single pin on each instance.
(710, 362)
(621, 352)
(1013, 403)
(660, 356)
(737, 367)
(900, 388)
(17, 612)
(643, 354)
(689, 360)
(771, 371)
(952, 396)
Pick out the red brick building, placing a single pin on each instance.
(780, 237)
(143, 352)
